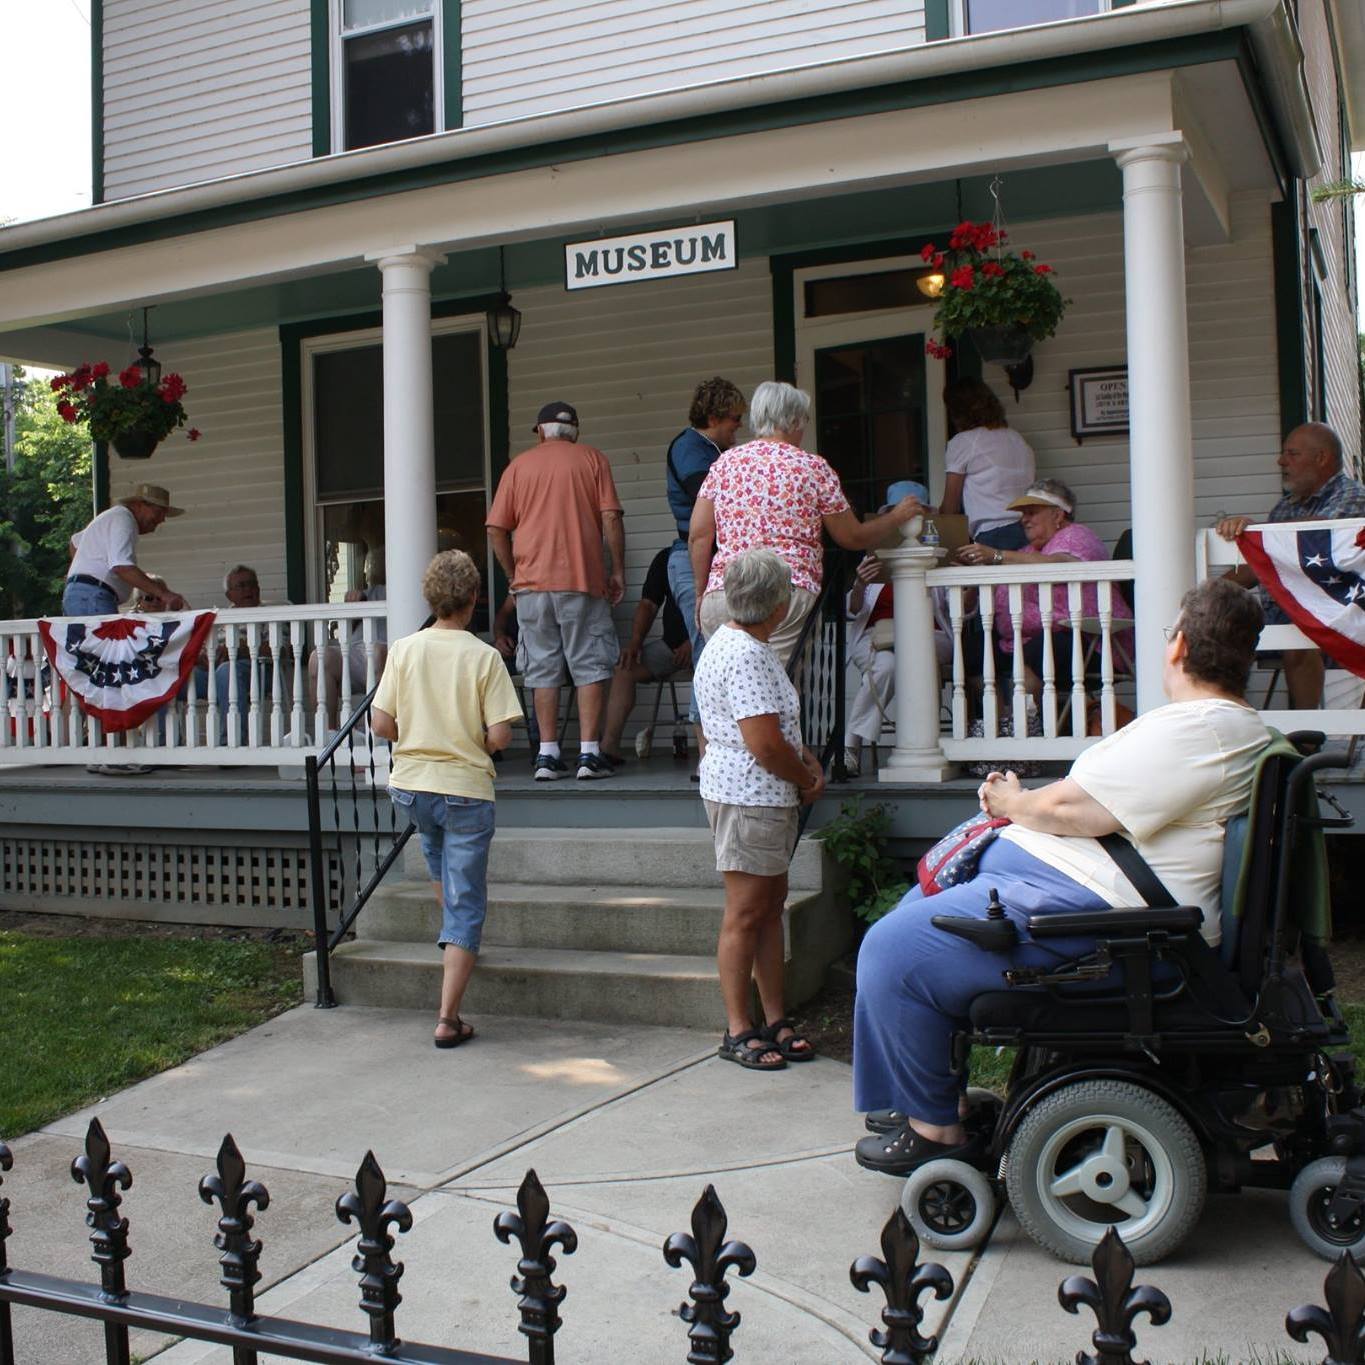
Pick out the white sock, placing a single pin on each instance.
(548, 746)
(589, 746)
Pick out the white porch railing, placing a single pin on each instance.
(270, 684)
(1096, 634)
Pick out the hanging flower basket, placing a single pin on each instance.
(131, 415)
(1003, 300)
(135, 445)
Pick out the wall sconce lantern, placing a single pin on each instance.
(504, 321)
(930, 284)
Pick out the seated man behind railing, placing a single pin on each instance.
(242, 588)
(1054, 537)
(330, 658)
(1316, 488)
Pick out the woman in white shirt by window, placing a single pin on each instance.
(987, 465)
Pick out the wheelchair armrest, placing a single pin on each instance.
(1109, 923)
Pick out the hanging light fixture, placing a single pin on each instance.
(151, 369)
(504, 321)
(931, 283)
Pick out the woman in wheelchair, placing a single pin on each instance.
(1169, 781)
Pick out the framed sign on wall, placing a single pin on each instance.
(692, 250)
(1099, 401)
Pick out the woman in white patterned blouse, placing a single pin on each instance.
(754, 776)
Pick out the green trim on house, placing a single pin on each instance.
(937, 26)
(1287, 260)
(99, 470)
(97, 101)
(292, 336)
(452, 64)
(930, 91)
(320, 39)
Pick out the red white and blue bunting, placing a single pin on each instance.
(125, 668)
(1316, 572)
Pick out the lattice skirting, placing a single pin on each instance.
(213, 879)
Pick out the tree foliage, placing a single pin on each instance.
(44, 500)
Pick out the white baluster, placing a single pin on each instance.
(192, 697)
(955, 617)
(990, 695)
(1108, 700)
(275, 637)
(1020, 712)
(253, 719)
(1075, 606)
(298, 639)
(41, 737)
(215, 643)
(1049, 698)
(7, 646)
(321, 644)
(18, 707)
(344, 650)
(235, 708)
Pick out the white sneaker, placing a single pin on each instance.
(853, 762)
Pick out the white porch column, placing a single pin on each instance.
(917, 756)
(1161, 471)
(409, 432)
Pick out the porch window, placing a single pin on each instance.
(389, 79)
(347, 428)
(989, 16)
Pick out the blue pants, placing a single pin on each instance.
(456, 832)
(684, 592)
(81, 599)
(916, 983)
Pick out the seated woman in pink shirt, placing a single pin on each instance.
(1048, 511)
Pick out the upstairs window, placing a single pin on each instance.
(388, 78)
(989, 16)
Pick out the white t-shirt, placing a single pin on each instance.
(108, 543)
(998, 465)
(1172, 778)
(738, 677)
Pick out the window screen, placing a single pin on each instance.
(389, 85)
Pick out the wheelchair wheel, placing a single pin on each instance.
(949, 1204)
(983, 1109)
(1309, 1199)
(1101, 1154)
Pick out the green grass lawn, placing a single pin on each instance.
(85, 1016)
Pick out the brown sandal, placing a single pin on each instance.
(463, 1032)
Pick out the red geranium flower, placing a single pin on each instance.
(964, 277)
(100, 370)
(993, 268)
(940, 351)
(60, 382)
(172, 388)
(937, 262)
(1026, 255)
(66, 411)
(1042, 270)
(131, 378)
(194, 433)
(926, 252)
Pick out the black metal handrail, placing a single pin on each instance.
(375, 846)
(817, 669)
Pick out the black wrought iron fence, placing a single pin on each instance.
(897, 1273)
(817, 669)
(345, 768)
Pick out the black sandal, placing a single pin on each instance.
(463, 1032)
(787, 1046)
(737, 1049)
(900, 1152)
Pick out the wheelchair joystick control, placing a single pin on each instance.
(996, 933)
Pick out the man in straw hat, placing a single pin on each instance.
(104, 556)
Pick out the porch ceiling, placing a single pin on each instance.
(875, 174)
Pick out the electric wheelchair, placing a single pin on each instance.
(1206, 1069)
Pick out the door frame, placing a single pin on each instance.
(843, 329)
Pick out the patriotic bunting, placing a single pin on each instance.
(125, 668)
(1316, 572)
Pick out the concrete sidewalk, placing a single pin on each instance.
(625, 1126)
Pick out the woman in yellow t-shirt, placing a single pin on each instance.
(447, 702)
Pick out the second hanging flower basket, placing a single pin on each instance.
(130, 414)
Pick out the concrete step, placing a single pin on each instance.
(649, 858)
(639, 988)
(583, 918)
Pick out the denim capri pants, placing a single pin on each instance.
(456, 832)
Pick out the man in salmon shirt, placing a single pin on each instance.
(554, 504)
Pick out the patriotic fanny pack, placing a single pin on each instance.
(955, 857)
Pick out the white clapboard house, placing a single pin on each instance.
(319, 201)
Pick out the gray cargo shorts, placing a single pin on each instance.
(566, 629)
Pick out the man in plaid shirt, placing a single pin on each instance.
(1316, 488)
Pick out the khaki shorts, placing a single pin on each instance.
(715, 613)
(754, 839)
(572, 630)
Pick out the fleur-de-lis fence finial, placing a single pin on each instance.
(539, 1297)
(1114, 1300)
(367, 1206)
(711, 1256)
(903, 1281)
(1342, 1324)
(104, 1178)
(235, 1195)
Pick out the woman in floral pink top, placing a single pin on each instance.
(771, 494)
(1047, 511)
